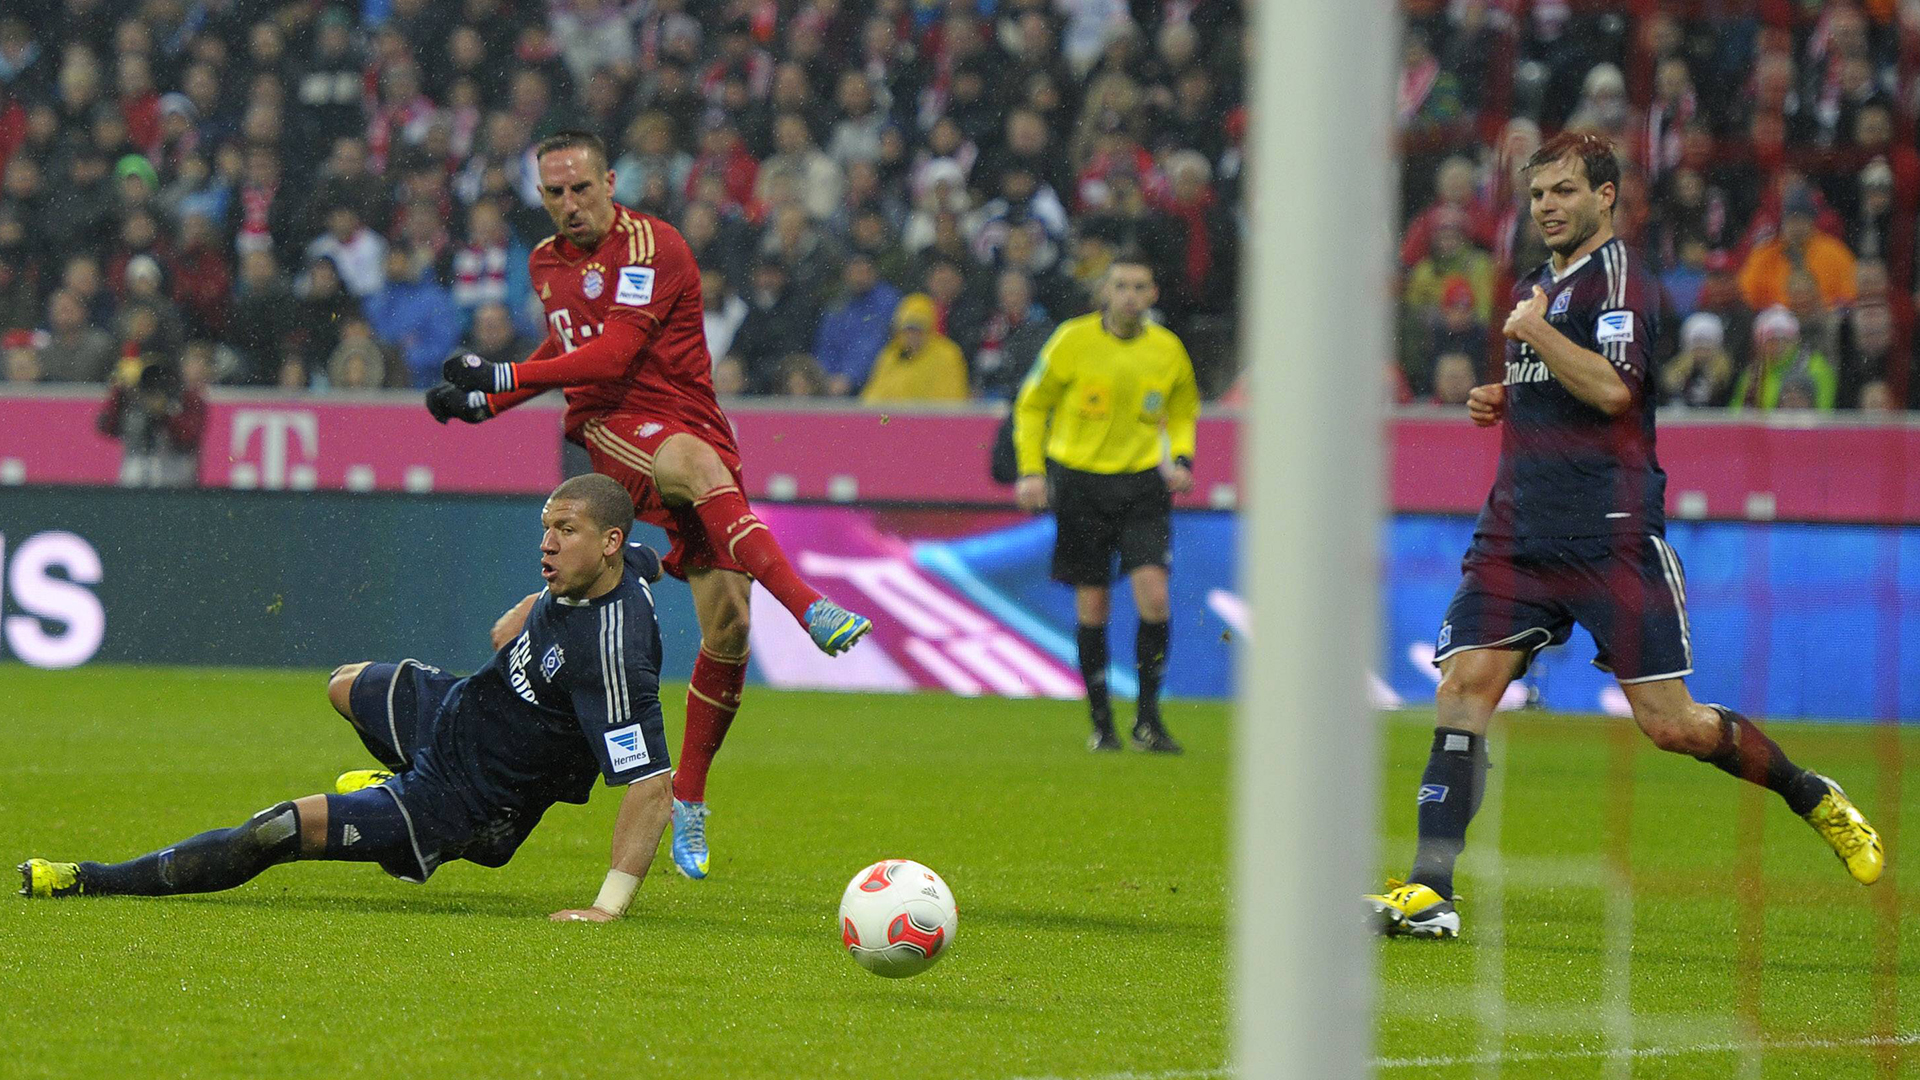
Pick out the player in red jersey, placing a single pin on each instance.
(627, 342)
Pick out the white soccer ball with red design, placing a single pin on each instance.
(897, 917)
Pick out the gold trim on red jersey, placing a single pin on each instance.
(640, 242)
(619, 449)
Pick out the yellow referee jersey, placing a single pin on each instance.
(1117, 405)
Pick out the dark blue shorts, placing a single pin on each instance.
(416, 821)
(394, 706)
(378, 825)
(1629, 591)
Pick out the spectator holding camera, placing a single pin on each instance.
(1701, 374)
(159, 418)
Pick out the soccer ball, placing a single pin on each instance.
(897, 917)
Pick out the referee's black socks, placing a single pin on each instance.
(1150, 649)
(1449, 796)
(1093, 671)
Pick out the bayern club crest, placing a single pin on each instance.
(593, 284)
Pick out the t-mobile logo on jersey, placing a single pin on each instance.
(64, 622)
(569, 334)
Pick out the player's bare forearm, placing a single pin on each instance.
(644, 812)
(1586, 374)
(508, 626)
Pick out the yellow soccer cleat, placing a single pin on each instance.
(359, 779)
(1414, 911)
(1845, 829)
(45, 880)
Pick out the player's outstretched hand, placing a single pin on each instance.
(1031, 493)
(1487, 404)
(469, 372)
(446, 401)
(592, 914)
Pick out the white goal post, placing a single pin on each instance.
(1315, 340)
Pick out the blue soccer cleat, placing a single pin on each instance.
(834, 628)
(690, 838)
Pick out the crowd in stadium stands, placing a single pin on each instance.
(1771, 181)
(890, 199)
(304, 195)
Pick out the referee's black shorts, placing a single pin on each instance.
(1101, 515)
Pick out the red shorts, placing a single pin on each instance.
(622, 446)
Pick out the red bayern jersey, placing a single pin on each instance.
(644, 274)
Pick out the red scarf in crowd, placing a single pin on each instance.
(1199, 261)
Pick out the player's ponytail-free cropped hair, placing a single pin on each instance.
(1595, 152)
(607, 503)
(572, 140)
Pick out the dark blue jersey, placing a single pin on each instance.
(1566, 468)
(576, 695)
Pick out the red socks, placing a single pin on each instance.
(732, 527)
(713, 696)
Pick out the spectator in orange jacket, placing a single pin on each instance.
(1763, 280)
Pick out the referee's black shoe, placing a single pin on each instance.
(1152, 737)
(1103, 741)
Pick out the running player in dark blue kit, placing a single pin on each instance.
(1574, 532)
(573, 696)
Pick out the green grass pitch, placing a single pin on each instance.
(1093, 938)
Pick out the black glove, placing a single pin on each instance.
(469, 372)
(643, 561)
(448, 402)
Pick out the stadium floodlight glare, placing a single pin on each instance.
(1316, 332)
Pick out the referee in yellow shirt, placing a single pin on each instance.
(1103, 429)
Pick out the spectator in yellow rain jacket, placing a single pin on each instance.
(919, 363)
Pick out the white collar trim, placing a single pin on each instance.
(1577, 264)
(1562, 275)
